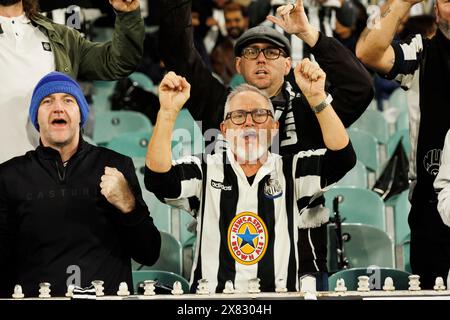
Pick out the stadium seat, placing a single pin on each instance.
(112, 123)
(170, 256)
(366, 148)
(395, 138)
(376, 276)
(142, 80)
(402, 122)
(373, 122)
(160, 212)
(358, 206)
(398, 100)
(188, 255)
(357, 177)
(163, 279)
(363, 246)
(132, 144)
(187, 138)
(401, 206)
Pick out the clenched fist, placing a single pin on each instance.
(124, 5)
(116, 190)
(311, 80)
(174, 91)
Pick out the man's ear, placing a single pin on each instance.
(237, 62)
(223, 129)
(288, 65)
(436, 12)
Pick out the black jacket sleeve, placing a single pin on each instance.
(6, 268)
(336, 164)
(208, 95)
(350, 83)
(143, 239)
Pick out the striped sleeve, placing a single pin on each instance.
(307, 181)
(181, 186)
(408, 56)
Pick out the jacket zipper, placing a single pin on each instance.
(61, 175)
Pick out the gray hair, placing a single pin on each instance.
(245, 87)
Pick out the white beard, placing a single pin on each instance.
(256, 148)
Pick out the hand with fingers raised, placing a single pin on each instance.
(311, 80)
(174, 91)
(292, 18)
(124, 5)
(116, 190)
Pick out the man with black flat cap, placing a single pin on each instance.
(263, 59)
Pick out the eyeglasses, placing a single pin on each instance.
(252, 53)
(259, 116)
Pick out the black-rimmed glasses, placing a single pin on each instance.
(259, 116)
(252, 53)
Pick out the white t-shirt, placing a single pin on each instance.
(25, 57)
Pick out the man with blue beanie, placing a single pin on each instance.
(70, 212)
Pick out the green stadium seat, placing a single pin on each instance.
(366, 148)
(358, 206)
(373, 122)
(394, 140)
(160, 212)
(357, 177)
(376, 276)
(142, 80)
(170, 256)
(364, 246)
(398, 100)
(401, 206)
(132, 144)
(113, 123)
(164, 278)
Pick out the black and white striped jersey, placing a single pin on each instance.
(406, 69)
(248, 231)
(422, 67)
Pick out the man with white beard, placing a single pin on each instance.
(421, 66)
(247, 201)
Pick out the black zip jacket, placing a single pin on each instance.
(56, 226)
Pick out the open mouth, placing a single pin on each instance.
(59, 122)
(249, 134)
(261, 72)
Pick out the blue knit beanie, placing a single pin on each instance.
(57, 82)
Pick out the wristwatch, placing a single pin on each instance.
(323, 104)
(320, 106)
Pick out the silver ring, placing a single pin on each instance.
(293, 7)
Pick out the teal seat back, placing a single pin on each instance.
(402, 135)
(159, 211)
(170, 256)
(398, 100)
(140, 79)
(132, 144)
(401, 206)
(187, 137)
(113, 123)
(373, 122)
(402, 122)
(358, 206)
(163, 277)
(363, 246)
(366, 148)
(357, 177)
(188, 255)
(376, 276)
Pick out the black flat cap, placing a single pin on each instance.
(262, 34)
